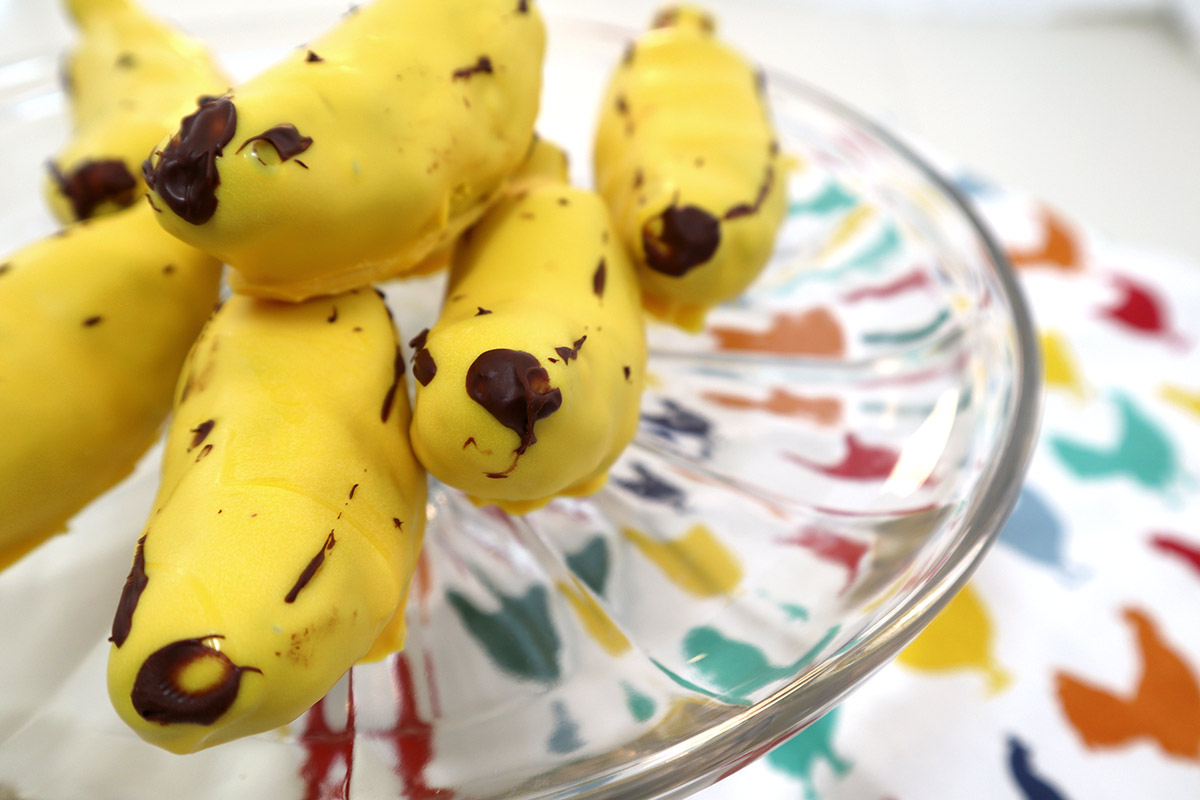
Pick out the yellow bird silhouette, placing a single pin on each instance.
(960, 637)
(696, 562)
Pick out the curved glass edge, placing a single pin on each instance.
(718, 752)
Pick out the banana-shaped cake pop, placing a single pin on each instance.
(129, 81)
(94, 325)
(686, 157)
(529, 384)
(286, 528)
(357, 158)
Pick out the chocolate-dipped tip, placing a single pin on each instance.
(95, 182)
(515, 389)
(186, 176)
(158, 695)
(680, 239)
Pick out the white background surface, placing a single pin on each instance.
(1094, 111)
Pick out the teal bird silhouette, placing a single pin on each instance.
(797, 756)
(1142, 451)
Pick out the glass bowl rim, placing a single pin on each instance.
(720, 750)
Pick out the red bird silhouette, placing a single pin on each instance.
(1163, 707)
(329, 754)
(326, 748)
(1174, 545)
(412, 737)
(832, 546)
(917, 279)
(861, 461)
(1141, 310)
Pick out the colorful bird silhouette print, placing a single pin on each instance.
(780, 402)
(740, 668)
(960, 637)
(1059, 366)
(328, 766)
(908, 335)
(833, 547)
(815, 333)
(590, 564)
(1139, 309)
(411, 737)
(1177, 547)
(910, 281)
(1163, 706)
(833, 197)
(1035, 531)
(649, 486)
(1059, 249)
(673, 423)
(595, 620)
(1020, 765)
(565, 736)
(696, 562)
(519, 636)
(1186, 399)
(798, 756)
(861, 462)
(329, 754)
(1142, 451)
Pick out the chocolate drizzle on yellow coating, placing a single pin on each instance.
(311, 569)
(424, 367)
(285, 138)
(482, 66)
(598, 278)
(568, 353)
(135, 584)
(389, 399)
(201, 432)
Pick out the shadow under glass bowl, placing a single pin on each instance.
(815, 475)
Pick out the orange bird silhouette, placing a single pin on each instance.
(1163, 707)
(814, 333)
(781, 402)
(1058, 251)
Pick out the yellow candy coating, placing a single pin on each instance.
(529, 384)
(686, 157)
(129, 80)
(92, 335)
(356, 159)
(286, 529)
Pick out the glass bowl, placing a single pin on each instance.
(815, 475)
